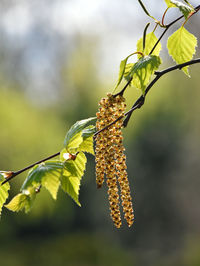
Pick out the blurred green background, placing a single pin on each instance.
(57, 59)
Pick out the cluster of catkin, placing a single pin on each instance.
(110, 158)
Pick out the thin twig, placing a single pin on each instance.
(158, 74)
(154, 47)
(124, 88)
(138, 104)
(140, 101)
(29, 167)
(168, 26)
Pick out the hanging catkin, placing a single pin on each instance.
(111, 160)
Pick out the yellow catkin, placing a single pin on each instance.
(113, 193)
(101, 141)
(111, 160)
(120, 159)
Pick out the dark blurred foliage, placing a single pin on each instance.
(162, 146)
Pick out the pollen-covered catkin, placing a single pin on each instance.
(120, 160)
(101, 141)
(111, 160)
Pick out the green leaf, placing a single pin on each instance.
(71, 185)
(73, 137)
(143, 70)
(128, 69)
(87, 143)
(88, 132)
(72, 174)
(3, 192)
(122, 70)
(46, 174)
(19, 202)
(187, 2)
(181, 46)
(151, 39)
(169, 3)
(51, 179)
(80, 164)
(185, 9)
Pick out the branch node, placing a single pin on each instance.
(157, 73)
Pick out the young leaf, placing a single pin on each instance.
(151, 39)
(19, 202)
(188, 4)
(143, 70)
(87, 143)
(47, 174)
(122, 69)
(3, 192)
(185, 9)
(71, 184)
(181, 46)
(169, 3)
(88, 132)
(51, 179)
(72, 174)
(80, 164)
(73, 137)
(128, 69)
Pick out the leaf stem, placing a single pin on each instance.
(140, 101)
(163, 17)
(159, 74)
(168, 26)
(138, 104)
(154, 47)
(124, 88)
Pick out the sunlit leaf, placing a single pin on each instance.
(71, 185)
(46, 174)
(72, 174)
(122, 69)
(3, 192)
(181, 46)
(80, 164)
(151, 40)
(187, 2)
(51, 178)
(185, 9)
(20, 202)
(73, 137)
(143, 70)
(128, 69)
(88, 131)
(87, 143)
(169, 3)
